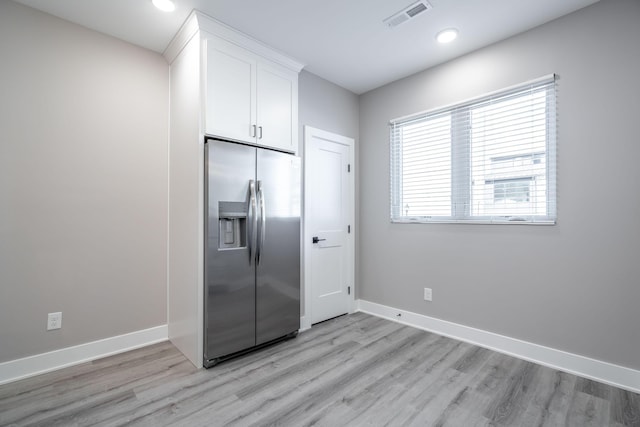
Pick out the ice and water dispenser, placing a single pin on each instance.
(232, 220)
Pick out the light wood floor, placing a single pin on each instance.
(355, 370)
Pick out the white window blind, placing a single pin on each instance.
(488, 160)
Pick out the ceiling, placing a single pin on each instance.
(343, 41)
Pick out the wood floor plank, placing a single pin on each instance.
(587, 410)
(552, 400)
(593, 388)
(625, 408)
(356, 370)
(514, 397)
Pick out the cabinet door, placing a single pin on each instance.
(277, 97)
(230, 94)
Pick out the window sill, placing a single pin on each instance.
(475, 221)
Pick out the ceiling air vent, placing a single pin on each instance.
(407, 13)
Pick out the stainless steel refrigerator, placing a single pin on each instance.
(252, 250)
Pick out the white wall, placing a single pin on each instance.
(83, 184)
(572, 286)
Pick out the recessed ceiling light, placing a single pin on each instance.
(164, 5)
(446, 36)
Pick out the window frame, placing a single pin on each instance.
(461, 158)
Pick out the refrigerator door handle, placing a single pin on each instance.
(253, 221)
(263, 221)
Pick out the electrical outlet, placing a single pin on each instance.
(54, 321)
(428, 294)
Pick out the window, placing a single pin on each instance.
(511, 190)
(489, 160)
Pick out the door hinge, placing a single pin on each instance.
(349, 290)
(349, 167)
(349, 229)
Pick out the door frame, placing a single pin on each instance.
(309, 134)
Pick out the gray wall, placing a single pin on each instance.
(83, 184)
(324, 105)
(573, 286)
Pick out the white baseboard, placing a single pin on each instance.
(305, 323)
(615, 375)
(18, 369)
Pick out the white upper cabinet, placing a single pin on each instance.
(277, 107)
(250, 98)
(230, 91)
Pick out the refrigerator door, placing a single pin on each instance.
(278, 256)
(231, 227)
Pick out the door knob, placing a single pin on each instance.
(315, 239)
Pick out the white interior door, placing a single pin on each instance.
(329, 207)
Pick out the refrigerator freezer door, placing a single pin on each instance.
(230, 271)
(278, 265)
